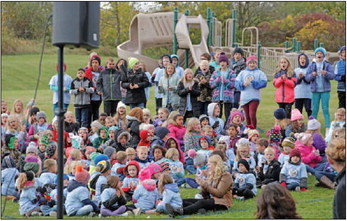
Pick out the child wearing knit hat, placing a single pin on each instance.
(249, 82)
(119, 165)
(313, 127)
(244, 186)
(319, 74)
(296, 124)
(77, 201)
(131, 173)
(222, 84)
(243, 152)
(253, 136)
(236, 117)
(281, 119)
(104, 167)
(287, 145)
(293, 174)
(309, 154)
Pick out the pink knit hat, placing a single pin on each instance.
(303, 137)
(251, 58)
(81, 175)
(234, 113)
(147, 172)
(296, 115)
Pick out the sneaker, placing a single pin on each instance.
(36, 213)
(240, 198)
(91, 214)
(188, 186)
(137, 211)
(297, 188)
(53, 213)
(198, 196)
(125, 214)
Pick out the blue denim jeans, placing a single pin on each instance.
(82, 116)
(189, 166)
(45, 209)
(140, 105)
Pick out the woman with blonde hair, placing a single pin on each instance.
(336, 154)
(216, 191)
(189, 91)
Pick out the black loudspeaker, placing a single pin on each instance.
(76, 24)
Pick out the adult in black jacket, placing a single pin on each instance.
(135, 81)
(108, 84)
(336, 154)
(189, 91)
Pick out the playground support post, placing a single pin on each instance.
(175, 44)
(209, 23)
(258, 55)
(186, 61)
(315, 44)
(298, 48)
(321, 45)
(294, 44)
(233, 16)
(286, 44)
(213, 37)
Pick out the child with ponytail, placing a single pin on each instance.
(113, 198)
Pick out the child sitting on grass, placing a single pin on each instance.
(131, 173)
(245, 183)
(270, 170)
(142, 156)
(287, 145)
(293, 174)
(112, 198)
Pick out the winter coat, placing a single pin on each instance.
(302, 88)
(307, 156)
(28, 199)
(172, 96)
(205, 89)
(270, 172)
(134, 96)
(134, 130)
(284, 87)
(246, 181)
(252, 91)
(340, 76)
(339, 205)
(219, 83)
(183, 92)
(82, 99)
(119, 134)
(176, 169)
(47, 177)
(71, 127)
(110, 200)
(178, 148)
(326, 79)
(191, 141)
(219, 189)
(145, 196)
(76, 193)
(8, 187)
(238, 66)
(177, 132)
(216, 122)
(109, 84)
(172, 196)
(35, 129)
(294, 173)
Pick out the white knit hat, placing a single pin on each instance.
(313, 124)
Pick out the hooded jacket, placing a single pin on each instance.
(144, 134)
(117, 144)
(326, 78)
(128, 180)
(28, 199)
(134, 129)
(227, 87)
(134, 96)
(109, 84)
(302, 88)
(184, 93)
(284, 87)
(340, 76)
(8, 184)
(146, 194)
(179, 69)
(215, 120)
(178, 148)
(307, 156)
(177, 132)
(99, 141)
(205, 89)
(171, 195)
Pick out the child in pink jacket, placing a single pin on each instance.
(284, 82)
(309, 154)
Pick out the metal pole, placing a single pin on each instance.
(209, 27)
(59, 112)
(315, 44)
(213, 39)
(186, 63)
(175, 43)
(234, 27)
(298, 48)
(259, 47)
(294, 44)
(321, 45)
(286, 44)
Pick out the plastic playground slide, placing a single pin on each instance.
(156, 30)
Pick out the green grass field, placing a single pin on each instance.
(19, 75)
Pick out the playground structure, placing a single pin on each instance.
(172, 28)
